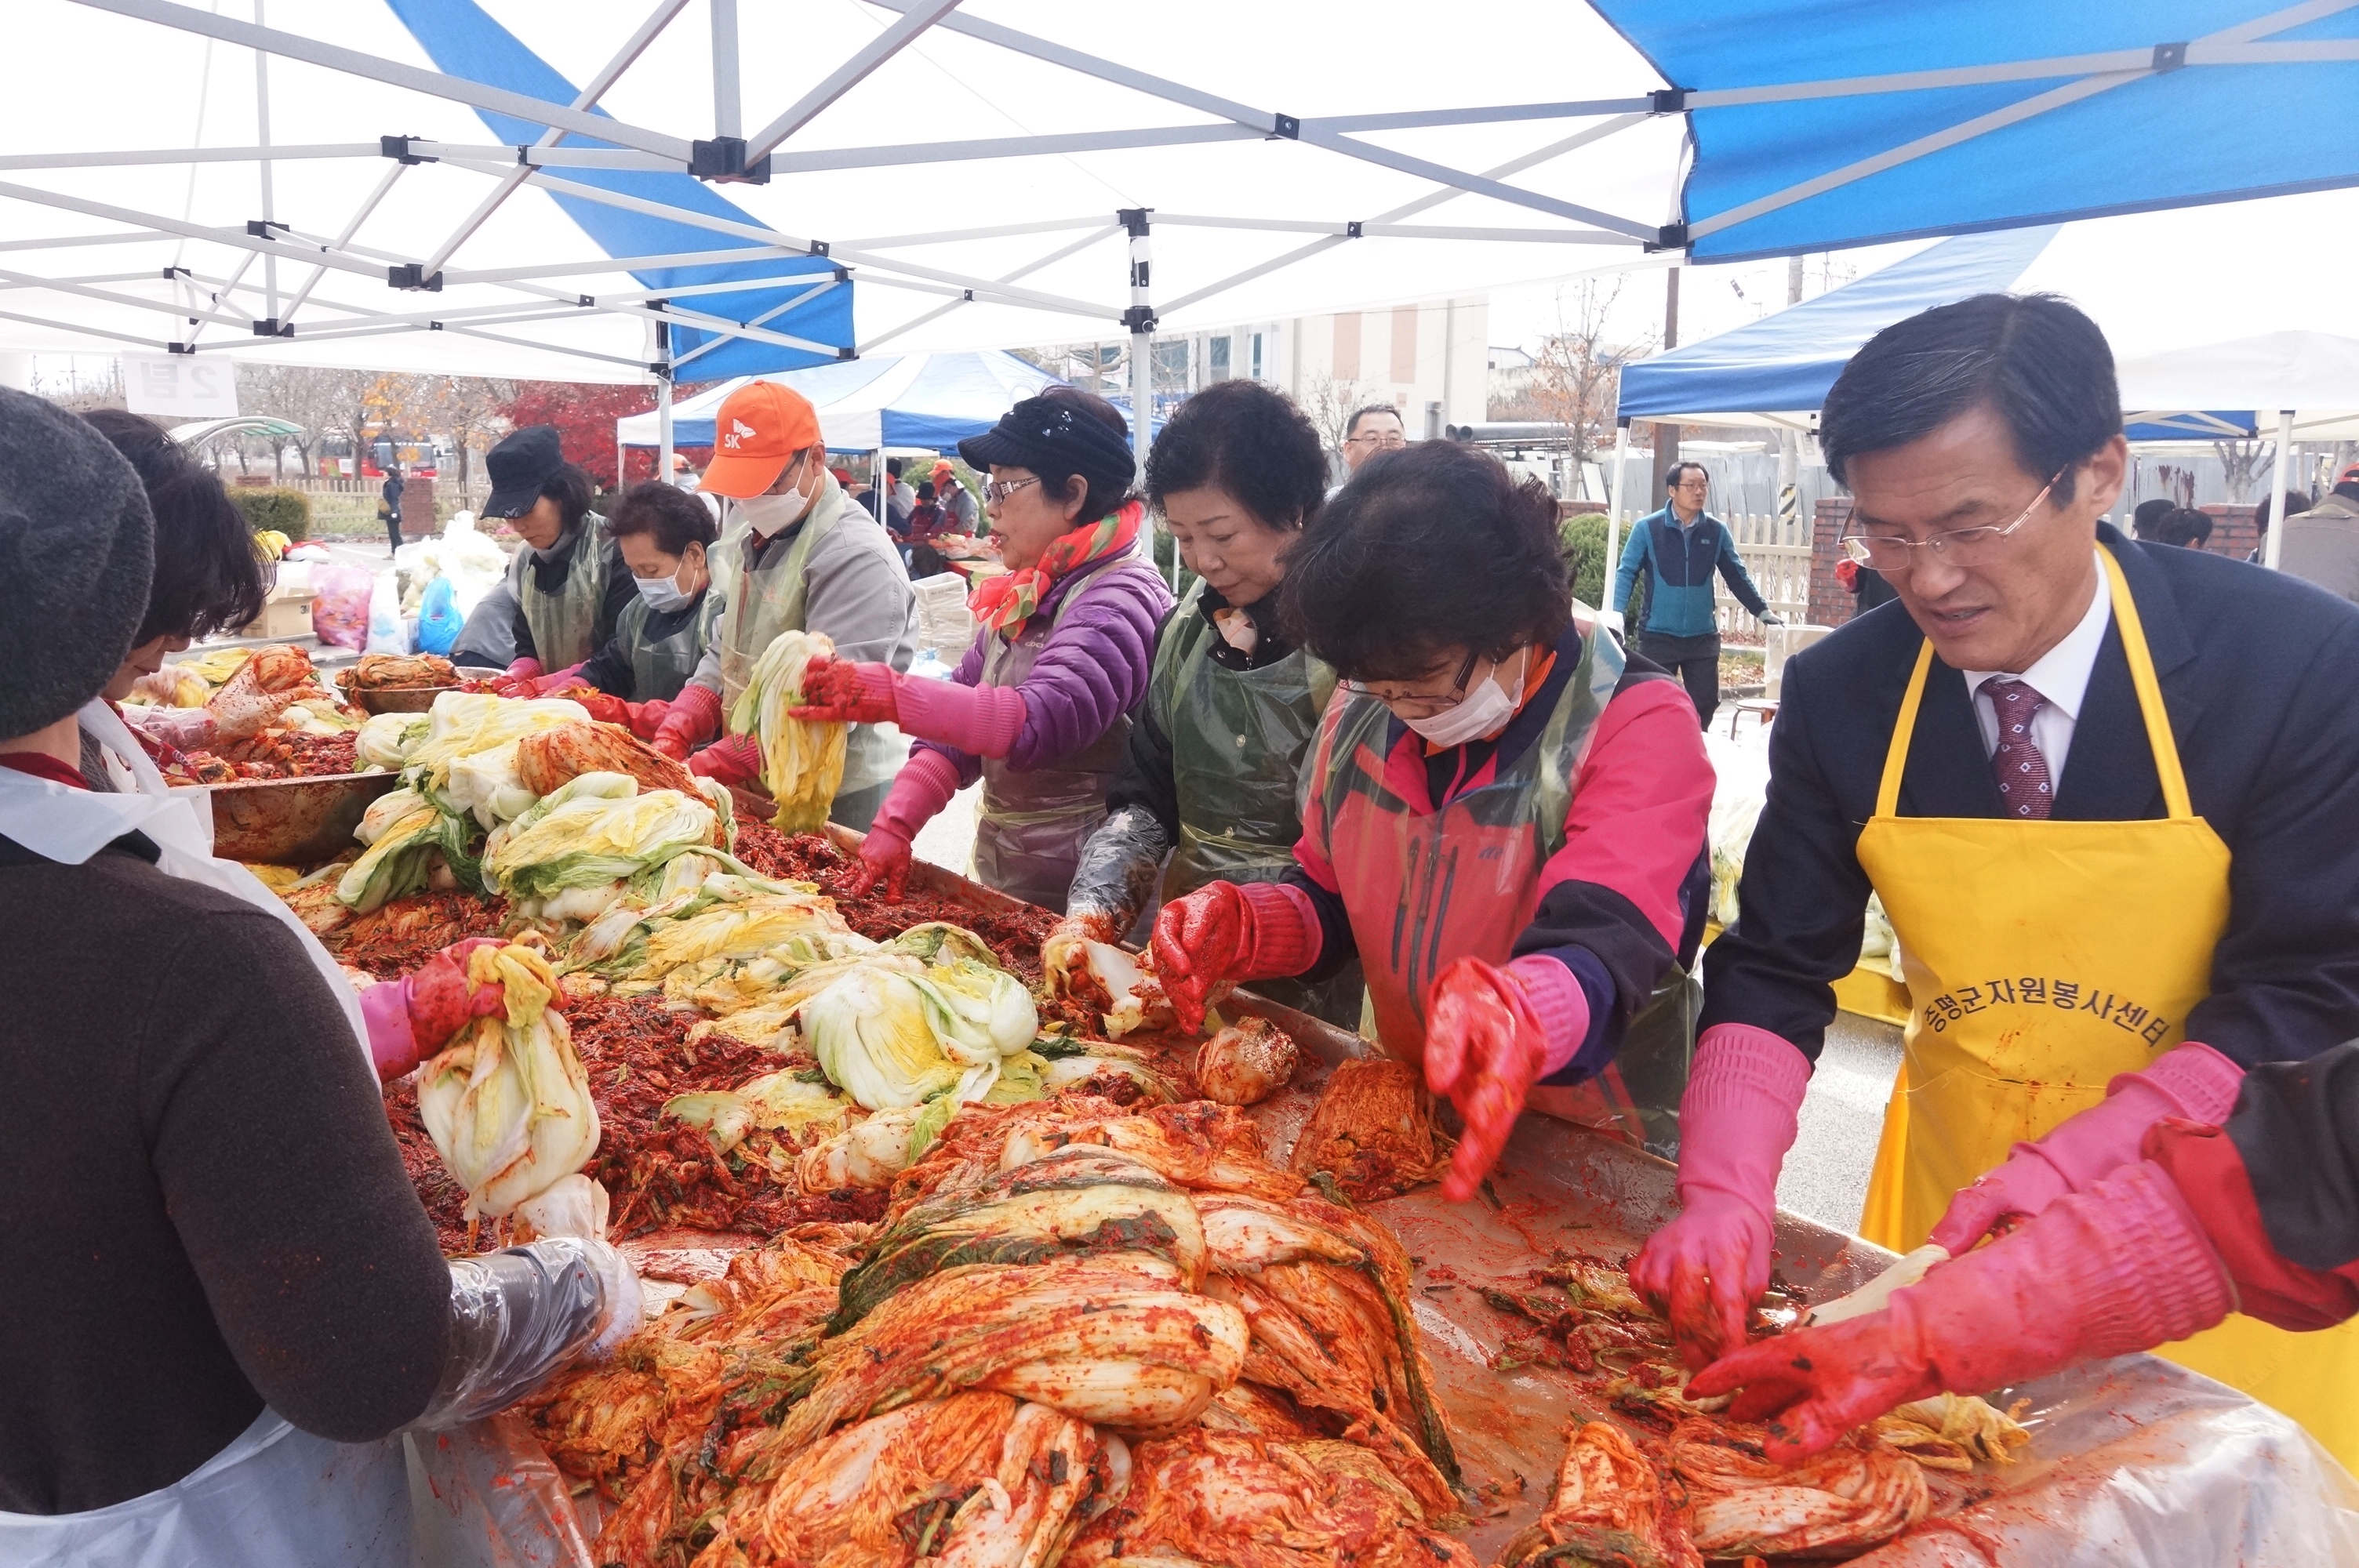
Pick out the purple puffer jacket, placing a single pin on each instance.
(1093, 670)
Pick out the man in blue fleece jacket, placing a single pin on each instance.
(1680, 547)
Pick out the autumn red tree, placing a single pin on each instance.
(584, 415)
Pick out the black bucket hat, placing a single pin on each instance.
(520, 466)
(1048, 432)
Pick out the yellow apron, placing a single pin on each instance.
(2043, 958)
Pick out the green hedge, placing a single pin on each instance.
(1582, 540)
(289, 511)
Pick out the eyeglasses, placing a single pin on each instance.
(1889, 553)
(1418, 705)
(1388, 440)
(998, 490)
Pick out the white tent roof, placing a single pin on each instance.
(965, 164)
(2316, 374)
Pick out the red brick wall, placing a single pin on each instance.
(1831, 602)
(2233, 533)
(417, 507)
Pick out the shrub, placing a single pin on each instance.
(289, 511)
(1582, 540)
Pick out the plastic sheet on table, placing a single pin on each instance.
(486, 1496)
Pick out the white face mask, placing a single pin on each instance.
(773, 514)
(662, 593)
(1481, 711)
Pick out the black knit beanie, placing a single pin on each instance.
(77, 551)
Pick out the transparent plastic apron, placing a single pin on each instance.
(1422, 887)
(275, 1498)
(1034, 820)
(564, 624)
(1238, 740)
(2043, 958)
(661, 665)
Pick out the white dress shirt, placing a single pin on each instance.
(2061, 675)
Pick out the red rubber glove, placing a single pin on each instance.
(731, 759)
(603, 706)
(1224, 933)
(836, 691)
(551, 685)
(1737, 1118)
(2191, 1082)
(526, 668)
(693, 718)
(413, 1017)
(645, 718)
(2122, 1267)
(1484, 1048)
(883, 860)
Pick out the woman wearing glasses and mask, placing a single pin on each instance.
(2105, 794)
(1501, 819)
(1039, 708)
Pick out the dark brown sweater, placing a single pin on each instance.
(201, 1207)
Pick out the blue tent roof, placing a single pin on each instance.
(465, 41)
(925, 401)
(2192, 103)
(1784, 362)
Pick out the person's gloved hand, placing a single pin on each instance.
(2122, 1267)
(1064, 953)
(517, 681)
(1771, 618)
(1484, 1048)
(2192, 1082)
(731, 759)
(603, 706)
(1223, 933)
(884, 861)
(1737, 1118)
(693, 717)
(645, 719)
(414, 1017)
(837, 691)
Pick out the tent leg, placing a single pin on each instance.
(1140, 320)
(2277, 489)
(1613, 513)
(663, 427)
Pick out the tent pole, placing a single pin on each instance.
(2277, 489)
(1140, 320)
(663, 410)
(1614, 511)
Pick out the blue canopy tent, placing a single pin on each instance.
(794, 311)
(1815, 127)
(922, 401)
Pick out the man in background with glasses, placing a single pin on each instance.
(2107, 795)
(1679, 548)
(1370, 430)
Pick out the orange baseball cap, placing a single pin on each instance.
(759, 426)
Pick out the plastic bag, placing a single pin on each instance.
(438, 619)
(486, 1496)
(385, 632)
(339, 605)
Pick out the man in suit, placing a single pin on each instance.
(2110, 906)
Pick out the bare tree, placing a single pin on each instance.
(2241, 463)
(325, 403)
(1576, 374)
(1328, 404)
(466, 409)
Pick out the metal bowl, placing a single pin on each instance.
(292, 822)
(398, 698)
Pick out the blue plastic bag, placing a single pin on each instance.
(438, 619)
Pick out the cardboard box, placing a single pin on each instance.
(285, 614)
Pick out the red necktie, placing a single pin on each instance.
(2024, 789)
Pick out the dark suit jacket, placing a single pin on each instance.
(2260, 672)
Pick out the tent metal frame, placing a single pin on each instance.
(733, 154)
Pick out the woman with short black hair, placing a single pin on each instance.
(1501, 818)
(1233, 700)
(661, 535)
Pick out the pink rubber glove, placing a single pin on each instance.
(2191, 1082)
(837, 691)
(731, 759)
(2120, 1267)
(646, 719)
(544, 685)
(1224, 933)
(1737, 1118)
(1490, 1033)
(693, 717)
(524, 669)
(413, 1017)
(926, 783)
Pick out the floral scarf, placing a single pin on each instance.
(1006, 603)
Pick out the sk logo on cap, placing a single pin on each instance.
(738, 429)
